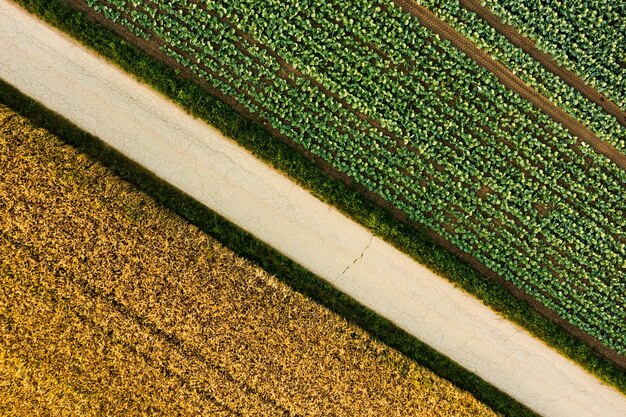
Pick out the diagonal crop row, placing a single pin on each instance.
(530, 71)
(587, 37)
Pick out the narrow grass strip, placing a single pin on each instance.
(255, 138)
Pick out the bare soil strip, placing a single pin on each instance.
(111, 305)
(546, 60)
(445, 31)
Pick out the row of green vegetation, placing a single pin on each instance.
(255, 138)
(363, 88)
(587, 37)
(604, 125)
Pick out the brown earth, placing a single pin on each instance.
(513, 82)
(546, 60)
(111, 305)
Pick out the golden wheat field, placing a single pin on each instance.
(111, 305)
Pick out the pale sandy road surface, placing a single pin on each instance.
(196, 158)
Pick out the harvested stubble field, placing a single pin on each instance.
(111, 305)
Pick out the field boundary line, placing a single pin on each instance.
(528, 46)
(512, 81)
(199, 160)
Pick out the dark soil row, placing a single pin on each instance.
(548, 63)
(428, 19)
(327, 167)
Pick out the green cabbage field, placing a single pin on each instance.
(408, 116)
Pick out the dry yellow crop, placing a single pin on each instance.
(111, 305)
